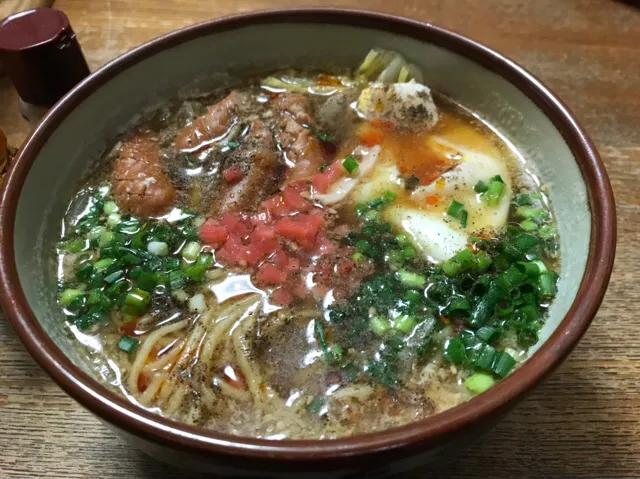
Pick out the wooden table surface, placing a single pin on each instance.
(583, 421)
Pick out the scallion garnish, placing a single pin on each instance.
(128, 344)
(350, 164)
(456, 210)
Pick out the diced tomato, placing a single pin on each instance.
(261, 217)
(282, 297)
(281, 260)
(269, 274)
(229, 254)
(433, 200)
(334, 171)
(320, 182)
(263, 232)
(265, 247)
(272, 203)
(233, 174)
(251, 255)
(236, 224)
(323, 245)
(293, 265)
(301, 228)
(299, 290)
(213, 233)
(319, 291)
(293, 200)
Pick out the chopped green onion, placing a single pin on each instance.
(379, 325)
(324, 137)
(113, 219)
(465, 258)
(113, 277)
(372, 215)
(480, 187)
(485, 356)
(136, 302)
(350, 164)
(538, 215)
(110, 207)
(176, 279)
(529, 269)
(402, 240)
(336, 353)
(451, 268)
(502, 364)
(105, 239)
(315, 406)
(404, 323)
(74, 246)
(483, 262)
(479, 383)
(389, 197)
(358, 257)
(458, 306)
(494, 193)
(68, 296)
(84, 272)
(410, 279)
(541, 266)
(191, 251)
(524, 242)
(547, 284)
(159, 248)
(408, 252)
(146, 281)
(363, 246)
(103, 264)
(96, 232)
(454, 351)
(456, 210)
(128, 344)
(487, 333)
(529, 225)
(412, 296)
(394, 256)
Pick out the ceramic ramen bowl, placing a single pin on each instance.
(79, 128)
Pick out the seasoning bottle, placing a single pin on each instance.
(41, 54)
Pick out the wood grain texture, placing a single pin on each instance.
(584, 421)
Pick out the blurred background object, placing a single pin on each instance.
(42, 56)
(9, 7)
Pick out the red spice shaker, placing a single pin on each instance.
(41, 54)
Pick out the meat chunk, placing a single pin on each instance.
(214, 123)
(140, 185)
(302, 149)
(259, 175)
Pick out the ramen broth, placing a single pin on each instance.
(308, 256)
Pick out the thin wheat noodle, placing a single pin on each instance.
(143, 353)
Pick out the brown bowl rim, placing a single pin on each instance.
(116, 410)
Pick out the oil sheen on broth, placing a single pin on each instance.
(308, 255)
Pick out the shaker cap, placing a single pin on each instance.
(41, 54)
